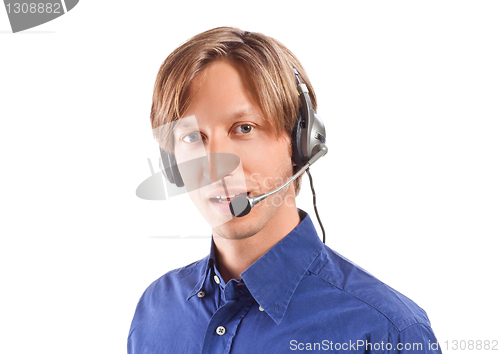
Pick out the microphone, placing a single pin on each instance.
(242, 205)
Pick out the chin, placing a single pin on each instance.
(236, 229)
(246, 226)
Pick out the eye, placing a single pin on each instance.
(191, 137)
(243, 129)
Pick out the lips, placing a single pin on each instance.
(226, 199)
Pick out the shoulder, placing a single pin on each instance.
(359, 286)
(162, 309)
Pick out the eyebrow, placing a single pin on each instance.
(241, 113)
(184, 123)
(237, 114)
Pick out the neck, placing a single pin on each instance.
(234, 256)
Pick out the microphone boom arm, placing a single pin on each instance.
(322, 152)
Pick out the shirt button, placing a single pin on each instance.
(261, 308)
(201, 294)
(216, 278)
(220, 330)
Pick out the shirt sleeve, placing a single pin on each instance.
(417, 338)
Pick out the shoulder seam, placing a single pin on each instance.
(373, 307)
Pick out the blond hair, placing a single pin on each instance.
(270, 63)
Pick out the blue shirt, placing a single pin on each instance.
(299, 296)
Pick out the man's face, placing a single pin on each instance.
(224, 117)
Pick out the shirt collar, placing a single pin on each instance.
(273, 278)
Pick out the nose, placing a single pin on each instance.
(222, 162)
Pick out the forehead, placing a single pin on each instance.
(223, 89)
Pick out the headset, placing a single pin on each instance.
(307, 138)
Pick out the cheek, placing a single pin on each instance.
(266, 162)
(188, 154)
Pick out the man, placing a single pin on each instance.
(269, 284)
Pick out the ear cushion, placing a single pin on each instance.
(297, 156)
(174, 170)
(170, 169)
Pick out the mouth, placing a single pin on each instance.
(226, 199)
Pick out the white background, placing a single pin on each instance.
(409, 190)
